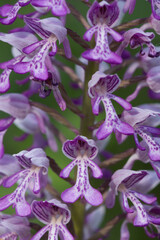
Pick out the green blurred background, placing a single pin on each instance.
(142, 9)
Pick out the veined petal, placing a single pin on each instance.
(5, 123)
(141, 218)
(18, 40)
(14, 104)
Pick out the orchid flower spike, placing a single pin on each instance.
(102, 16)
(100, 88)
(55, 215)
(50, 30)
(129, 184)
(35, 164)
(82, 151)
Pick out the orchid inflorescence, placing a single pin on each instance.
(81, 118)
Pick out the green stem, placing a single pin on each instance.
(86, 108)
(78, 208)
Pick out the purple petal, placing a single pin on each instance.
(66, 171)
(29, 49)
(104, 130)
(6, 201)
(11, 14)
(71, 148)
(10, 181)
(5, 123)
(4, 80)
(18, 40)
(70, 195)
(144, 198)
(125, 235)
(89, 33)
(2, 133)
(155, 9)
(93, 196)
(126, 105)
(67, 48)
(136, 92)
(124, 128)
(126, 205)
(40, 233)
(14, 104)
(5, 9)
(66, 234)
(153, 79)
(22, 208)
(97, 172)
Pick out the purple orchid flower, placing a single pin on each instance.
(9, 166)
(55, 215)
(58, 7)
(154, 212)
(143, 156)
(14, 227)
(17, 106)
(35, 164)
(129, 6)
(155, 4)
(10, 12)
(144, 119)
(19, 40)
(100, 89)
(151, 78)
(153, 215)
(50, 35)
(135, 38)
(37, 123)
(82, 151)
(102, 16)
(129, 183)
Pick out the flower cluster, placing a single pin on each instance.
(86, 62)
